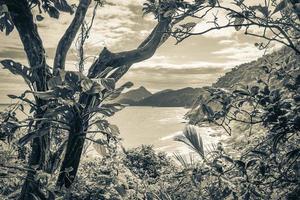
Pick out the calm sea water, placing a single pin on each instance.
(156, 126)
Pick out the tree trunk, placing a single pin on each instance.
(106, 59)
(71, 160)
(23, 20)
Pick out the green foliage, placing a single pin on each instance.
(278, 20)
(267, 166)
(5, 20)
(18, 69)
(192, 139)
(270, 159)
(165, 8)
(145, 162)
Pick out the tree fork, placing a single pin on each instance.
(122, 62)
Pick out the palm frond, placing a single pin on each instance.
(183, 160)
(192, 139)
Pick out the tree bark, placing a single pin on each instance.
(143, 52)
(23, 20)
(74, 148)
(69, 36)
(106, 59)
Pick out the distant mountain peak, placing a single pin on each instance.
(134, 95)
(143, 88)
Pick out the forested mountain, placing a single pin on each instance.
(247, 73)
(133, 96)
(172, 98)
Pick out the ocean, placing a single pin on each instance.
(157, 126)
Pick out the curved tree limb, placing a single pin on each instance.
(118, 73)
(143, 52)
(69, 36)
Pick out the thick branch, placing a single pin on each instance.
(69, 36)
(23, 20)
(118, 73)
(122, 61)
(145, 51)
(33, 46)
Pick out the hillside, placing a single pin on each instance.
(133, 96)
(245, 74)
(248, 73)
(172, 98)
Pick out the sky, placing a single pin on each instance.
(197, 61)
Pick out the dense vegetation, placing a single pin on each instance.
(41, 154)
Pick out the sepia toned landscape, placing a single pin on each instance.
(149, 99)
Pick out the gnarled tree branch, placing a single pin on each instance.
(69, 36)
(143, 52)
(118, 73)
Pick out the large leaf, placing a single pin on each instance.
(105, 72)
(207, 110)
(99, 146)
(242, 92)
(31, 135)
(116, 93)
(71, 78)
(108, 83)
(54, 82)
(263, 9)
(113, 130)
(90, 86)
(50, 94)
(280, 6)
(238, 22)
(18, 69)
(62, 5)
(212, 2)
(101, 124)
(192, 139)
(292, 154)
(86, 85)
(52, 11)
(5, 20)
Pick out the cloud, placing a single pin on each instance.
(220, 17)
(118, 25)
(163, 62)
(113, 11)
(195, 62)
(240, 52)
(224, 33)
(127, 2)
(156, 79)
(226, 42)
(12, 52)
